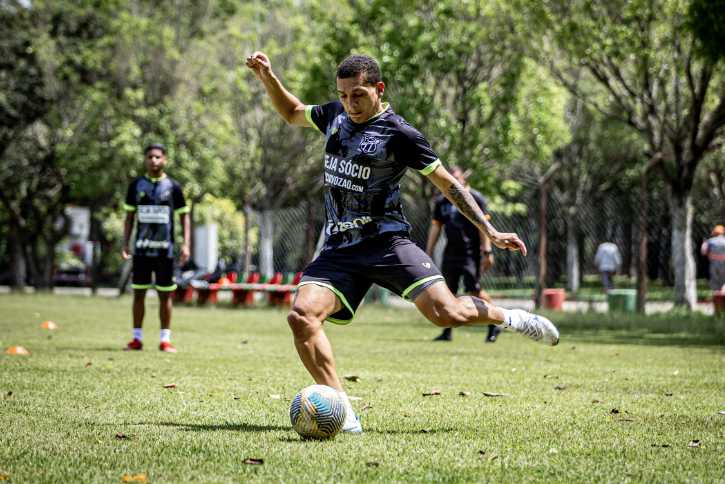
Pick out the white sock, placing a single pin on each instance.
(510, 319)
(137, 332)
(165, 336)
(350, 411)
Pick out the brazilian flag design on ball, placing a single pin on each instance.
(318, 412)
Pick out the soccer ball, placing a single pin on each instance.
(318, 412)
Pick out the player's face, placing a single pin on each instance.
(458, 175)
(154, 161)
(360, 100)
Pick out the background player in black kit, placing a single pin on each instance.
(154, 199)
(467, 252)
(368, 149)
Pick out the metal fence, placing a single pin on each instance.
(295, 233)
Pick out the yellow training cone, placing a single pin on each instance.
(17, 350)
(49, 325)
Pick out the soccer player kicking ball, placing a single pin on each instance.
(154, 199)
(367, 150)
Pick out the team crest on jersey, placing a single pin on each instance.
(165, 196)
(369, 143)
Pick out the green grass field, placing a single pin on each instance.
(61, 421)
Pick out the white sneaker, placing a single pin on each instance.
(531, 326)
(352, 426)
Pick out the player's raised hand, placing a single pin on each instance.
(126, 252)
(261, 66)
(508, 241)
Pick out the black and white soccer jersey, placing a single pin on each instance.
(363, 167)
(155, 200)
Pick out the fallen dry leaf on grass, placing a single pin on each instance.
(4, 477)
(668, 394)
(596, 400)
(286, 399)
(153, 374)
(353, 398)
(491, 394)
(481, 452)
(8, 394)
(663, 445)
(366, 407)
(626, 420)
(273, 396)
(426, 431)
(379, 380)
(243, 342)
(352, 378)
(549, 376)
(572, 347)
(212, 395)
(171, 385)
(372, 464)
(432, 392)
(136, 478)
(606, 380)
(464, 394)
(559, 387)
(677, 372)
(613, 410)
(694, 443)
(116, 451)
(615, 354)
(90, 362)
(121, 436)
(254, 462)
(492, 458)
(86, 406)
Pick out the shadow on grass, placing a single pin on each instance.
(673, 328)
(228, 427)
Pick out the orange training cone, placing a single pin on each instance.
(17, 350)
(49, 325)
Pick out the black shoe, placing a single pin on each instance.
(493, 334)
(446, 335)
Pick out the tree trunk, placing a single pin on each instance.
(247, 244)
(17, 258)
(683, 262)
(95, 237)
(266, 242)
(572, 250)
(49, 267)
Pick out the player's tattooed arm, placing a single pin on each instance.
(465, 204)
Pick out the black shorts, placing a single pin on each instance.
(467, 267)
(392, 261)
(163, 267)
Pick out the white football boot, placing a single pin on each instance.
(352, 425)
(531, 326)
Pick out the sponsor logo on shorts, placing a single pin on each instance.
(426, 265)
(152, 244)
(333, 228)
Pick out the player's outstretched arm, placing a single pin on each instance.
(464, 202)
(287, 106)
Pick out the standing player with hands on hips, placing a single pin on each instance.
(368, 148)
(154, 199)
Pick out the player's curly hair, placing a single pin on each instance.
(155, 146)
(358, 64)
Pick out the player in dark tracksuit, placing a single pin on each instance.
(467, 252)
(153, 200)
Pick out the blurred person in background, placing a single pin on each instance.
(154, 199)
(714, 249)
(467, 252)
(609, 262)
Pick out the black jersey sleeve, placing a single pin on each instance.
(179, 200)
(438, 217)
(412, 149)
(322, 115)
(130, 205)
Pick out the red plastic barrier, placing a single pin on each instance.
(718, 299)
(554, 299)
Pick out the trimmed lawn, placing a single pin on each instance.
(61, 421)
